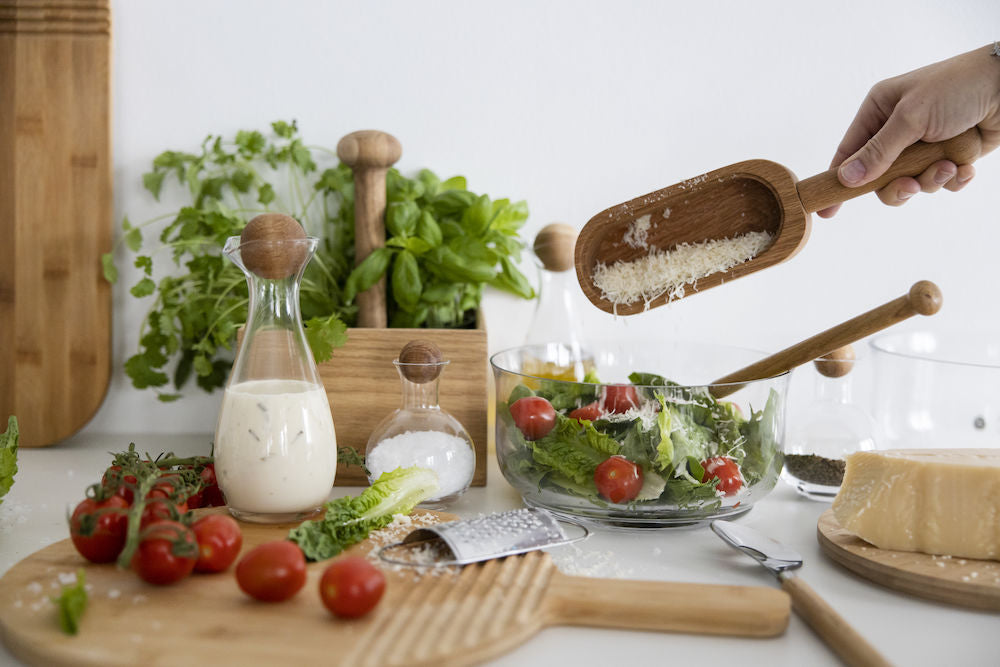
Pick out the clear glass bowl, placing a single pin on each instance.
(937, 390)
(669, 432)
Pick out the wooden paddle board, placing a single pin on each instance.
(55, 214)
(445, 616)
(961, 581)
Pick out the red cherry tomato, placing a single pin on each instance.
(272, 572)
(351, 587)
(211, 496)
(728, 472)
(618, 479)
(534, 415)
(98, 528)
(167, 553)
(219, 542)
(590, 412)
(619, 398)
(122, 485)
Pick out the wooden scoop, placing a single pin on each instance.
(751, 196)
(924, 298)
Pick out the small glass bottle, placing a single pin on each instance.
(420, 433)
(556, 328)
(829, 427)
(275, 445)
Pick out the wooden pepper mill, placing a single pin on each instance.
(369, 153)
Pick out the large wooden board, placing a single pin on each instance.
(55, 214)
(961, 581)
(451, 617)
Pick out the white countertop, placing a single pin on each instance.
(907, 630)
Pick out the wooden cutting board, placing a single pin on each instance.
(961, 581)
(55, 214)
(458, 616)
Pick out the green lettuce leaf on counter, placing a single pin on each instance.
(348, 520)
(8, 456)
(71, 604)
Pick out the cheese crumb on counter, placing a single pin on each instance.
(668, 271)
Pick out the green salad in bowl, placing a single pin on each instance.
(635, 435)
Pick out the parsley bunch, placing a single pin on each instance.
(444, 244)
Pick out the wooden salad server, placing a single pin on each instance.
(751, 196)
(369, 153)
(924, 298)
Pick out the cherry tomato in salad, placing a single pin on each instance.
(728, 472)
(619, 398)
(618, 479)
(590, 412)
(351, 587)
(534, 416)
(272, 572)
(166, 553)
(97, 528)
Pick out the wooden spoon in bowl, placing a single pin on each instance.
(746, 197)
(923, 298)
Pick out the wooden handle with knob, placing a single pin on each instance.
(837, 363)
(924, 298)
(838, 634)
(369, 153)
(825, 190)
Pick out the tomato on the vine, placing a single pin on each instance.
(97, 528)
(619, 398)
(728, 472)
(211, 495)
(351, 587)
(219, 542)
(272, 572)
(590, 412)
(116, 481)
(534, 416)
(166, 553)
(618, 479)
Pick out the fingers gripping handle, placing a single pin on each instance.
(825, 190)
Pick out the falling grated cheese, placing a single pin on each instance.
(667, 272)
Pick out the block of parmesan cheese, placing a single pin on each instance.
(936, 501)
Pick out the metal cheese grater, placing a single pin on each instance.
(473, 540)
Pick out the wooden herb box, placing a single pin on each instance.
(364, 388)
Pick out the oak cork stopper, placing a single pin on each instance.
(837, 363)
(554, 246)
(420, 361)
(261, 248)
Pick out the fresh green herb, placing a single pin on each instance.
(444, 245)
(349, 456)
(8, 456)
(348, 520)
(71, 604)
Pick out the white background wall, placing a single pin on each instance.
(573, 106)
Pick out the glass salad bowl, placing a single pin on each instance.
(633, 435)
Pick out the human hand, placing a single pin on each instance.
(933, 103)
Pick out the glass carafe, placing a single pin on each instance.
(275, 446)
(420, 432)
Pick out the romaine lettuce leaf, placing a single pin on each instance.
(8, 456)
(573, 450)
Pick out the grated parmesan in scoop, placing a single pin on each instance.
(667, 272)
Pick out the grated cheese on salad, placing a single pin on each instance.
(667, 272)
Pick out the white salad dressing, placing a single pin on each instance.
(275, 446)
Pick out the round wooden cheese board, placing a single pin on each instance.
(965, 582)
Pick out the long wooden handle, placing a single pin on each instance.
(746, 611)
(824, 190)
(844, 640)
(369, 153)
(924, 298)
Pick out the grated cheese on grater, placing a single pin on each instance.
(667, 272)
